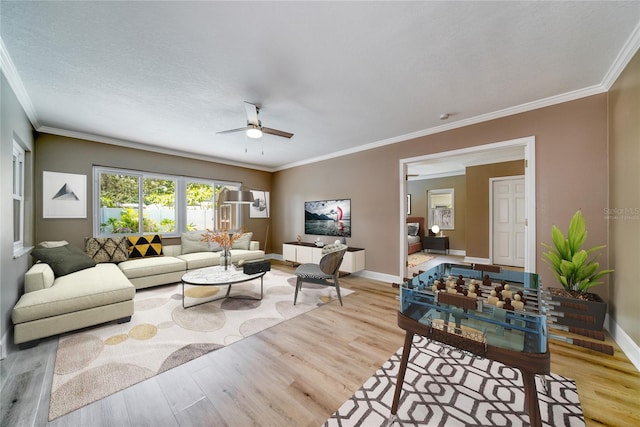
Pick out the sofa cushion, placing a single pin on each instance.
(243, 241)
(192, 242)
(63, 259)
(39, 276)
(101, 285)
(107, 249)
(200, 259)
(142, 267)
(145, 246)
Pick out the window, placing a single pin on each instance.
(132, 202)
(18, 197)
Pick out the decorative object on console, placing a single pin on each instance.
(64, 195)
(328, 217)
(145, 246)
(577, 274)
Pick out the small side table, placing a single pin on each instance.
(438, 243)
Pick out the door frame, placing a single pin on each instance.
(528, 145)
(491, 182)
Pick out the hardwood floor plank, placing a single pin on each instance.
(147, 405)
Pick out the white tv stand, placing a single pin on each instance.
(300, 253)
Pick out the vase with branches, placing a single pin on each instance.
(225, 239)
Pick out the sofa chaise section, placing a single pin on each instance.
(84, 298)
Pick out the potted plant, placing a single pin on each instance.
(577, 273)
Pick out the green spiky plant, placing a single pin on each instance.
(570, 263)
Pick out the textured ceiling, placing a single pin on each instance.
(341, 76)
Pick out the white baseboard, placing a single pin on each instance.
(457, 252)
(383, 277)
(627, 345)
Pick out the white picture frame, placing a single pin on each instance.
(64, 195)
(440, 208)
(260, 206)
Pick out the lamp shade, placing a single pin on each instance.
(238, 196)
(435, 229)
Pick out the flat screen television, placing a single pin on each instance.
(328, 217)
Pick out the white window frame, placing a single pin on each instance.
(18, 195)
(181, 198)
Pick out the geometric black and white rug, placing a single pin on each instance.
(446, 387)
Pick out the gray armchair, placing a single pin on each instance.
(325, 272)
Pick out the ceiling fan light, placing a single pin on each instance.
(254, 132)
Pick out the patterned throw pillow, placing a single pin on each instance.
(107, 249)
(145, 246)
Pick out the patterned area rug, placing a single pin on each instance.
(444, 387)
(417, 258)
(96, 362)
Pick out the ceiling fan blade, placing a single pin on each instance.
(232, 130)
(252, 113)
(277, 132)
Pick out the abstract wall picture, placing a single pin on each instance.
(64, 195)
(260, 206)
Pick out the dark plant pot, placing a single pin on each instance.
(581, 313)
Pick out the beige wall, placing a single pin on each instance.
(14, 125)
(478, 203)
(418, 190)
(62, 154)
(571, 174)
(624, 198)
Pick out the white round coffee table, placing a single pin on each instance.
(218, 276)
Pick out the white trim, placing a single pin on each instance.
(11, 73)
(528, 144)
(622, 60)
(382, 277)
(147, 147)
(627, 345)
(529, 106)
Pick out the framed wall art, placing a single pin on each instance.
(64, 195)
(260, 206)
(440, 207)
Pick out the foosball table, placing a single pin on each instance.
(481, 309)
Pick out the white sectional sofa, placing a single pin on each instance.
(98, 293)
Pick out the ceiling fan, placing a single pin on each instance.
(254, 127)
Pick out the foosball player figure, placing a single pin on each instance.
(507, 304)
(487, 280)
(517, 302)
(506, 291)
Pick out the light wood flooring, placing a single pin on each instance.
(296, 373)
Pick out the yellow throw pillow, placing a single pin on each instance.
(145, 246)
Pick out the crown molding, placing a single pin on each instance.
(622, 60)
(534, 105)
(10, 72)
(146, 147)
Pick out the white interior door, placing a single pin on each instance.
(508, 221)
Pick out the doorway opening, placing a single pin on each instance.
(455, 162)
